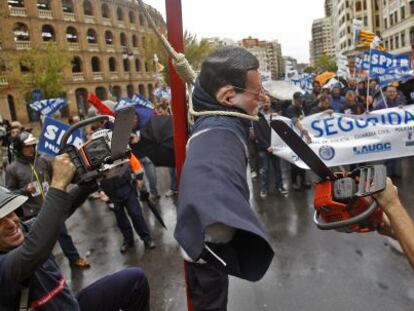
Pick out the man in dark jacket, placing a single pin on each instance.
(29, 276)
(217, 229)
(295, 112)
(123, 194)
(30, 176)
(268, 160)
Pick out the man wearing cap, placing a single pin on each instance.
(30, 277)
(30, 176)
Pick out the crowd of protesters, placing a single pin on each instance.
(346, 97)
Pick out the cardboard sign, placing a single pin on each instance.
(51, 136)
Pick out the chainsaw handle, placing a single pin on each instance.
(344, 223)
(80, 124)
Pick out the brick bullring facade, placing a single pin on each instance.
(108, 39)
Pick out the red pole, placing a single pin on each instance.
(178, 101)
(178, 94)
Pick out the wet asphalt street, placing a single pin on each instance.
(312, 269)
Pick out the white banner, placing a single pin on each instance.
(341, 139)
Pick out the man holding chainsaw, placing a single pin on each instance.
(396, 222)
(29, 275)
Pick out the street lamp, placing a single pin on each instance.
(127, 57)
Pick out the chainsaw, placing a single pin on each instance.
(342, 200)
(106, 154)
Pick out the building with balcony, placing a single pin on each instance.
(343, 14)
(322, 43)
(108, 39)
(397, 27)
(269, 54)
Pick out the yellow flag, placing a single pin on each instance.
(160, 67)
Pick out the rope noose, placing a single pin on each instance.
(187, 74)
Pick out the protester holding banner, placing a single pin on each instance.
(352, 106)
(311, 99)
(324, 105)
(336, 99)
(268, 161)
(392, 99)
(30, 175)
(295, 113)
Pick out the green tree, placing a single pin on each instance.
(309, 69)
(325, 62)
(194, 49)
(39, 68)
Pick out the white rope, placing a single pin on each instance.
(187, 74)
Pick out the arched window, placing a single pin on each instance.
(151, 92)
(144, 42)
(87, 7)
(101, 93)
(43, 5)
(48, 33)
(131, 17)
(123, 39)
(119, 14)
(109, 37)
(105, 11)
(126, 63)
(12, 107)
(76, 64)
(91, 36)
(15, 3)
(141, 89)
(141, 20)
(137, 65)
(67, 6)
(146, 67)
(112, 64)
(358, 6)
(117, 91)
(134, 41)
(130, 90)
(96, 64)
(21, 32)
(71, 34)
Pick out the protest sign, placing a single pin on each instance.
(341, 139)
(51, 136)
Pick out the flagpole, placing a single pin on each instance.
(369, 72)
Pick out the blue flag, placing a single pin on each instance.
(48, 107)
(51, 136)
(143, 107)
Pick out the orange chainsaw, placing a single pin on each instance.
(342, 200)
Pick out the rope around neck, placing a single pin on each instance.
(187, 74)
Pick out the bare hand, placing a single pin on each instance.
(134, 139)
(389, 197)
(63, 172)
(30, 188)
(140, 184)
(308, 138)
(385, 227)
(270, 149)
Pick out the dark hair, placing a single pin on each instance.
(226, 66)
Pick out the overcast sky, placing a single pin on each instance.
(287, 21)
